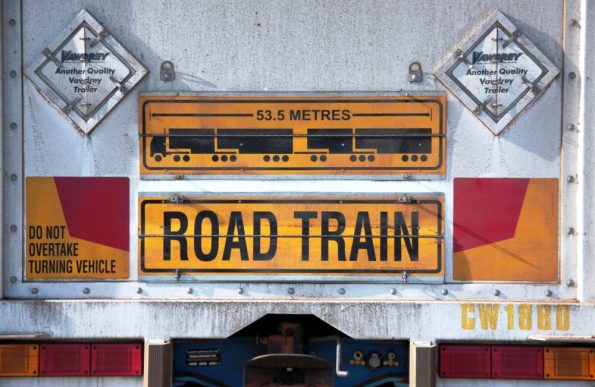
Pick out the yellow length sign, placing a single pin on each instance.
(292, 135)
(292, 236)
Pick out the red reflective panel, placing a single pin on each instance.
(116, 359)
(465, 361)
(64, 359)
(517, 362)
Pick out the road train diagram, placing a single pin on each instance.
(291, 135)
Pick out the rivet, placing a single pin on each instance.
(572, 75)
(496, 292)
(13, 279)
(14, 177)
(570, 283)
(240, 291)
(444, 292)
(571, 127)
(393, 291)
(573, 22)
(34, 290)
(548, 293)
(189, 290)
(139, 290)
(13, 74)
(12, 22)
(341, 291)
(86, 290)
(13, 125)
(13, 227)
(571, 179)
(290, 291)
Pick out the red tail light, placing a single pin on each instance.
(116, 359)
(465, 361)
(517, 362)
(64, 359)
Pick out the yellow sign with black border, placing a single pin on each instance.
(282, 135)
(347, 236)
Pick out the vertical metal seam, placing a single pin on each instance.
(570, 197)
(586, 290)
(21, 141)
(4, 124)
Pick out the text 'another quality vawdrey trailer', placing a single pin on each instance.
(313, 193)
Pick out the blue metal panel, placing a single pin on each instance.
(227, 359)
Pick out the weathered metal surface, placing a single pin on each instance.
(388, 319)
(266, 54)
(307, 46)
(585, 26)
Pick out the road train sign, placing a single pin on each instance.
(262, 135)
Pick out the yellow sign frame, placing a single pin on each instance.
(292, 135)
(345, 236)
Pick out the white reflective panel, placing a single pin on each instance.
(87, 73)
(497, 72)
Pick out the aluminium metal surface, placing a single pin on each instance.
(111, 149)
(362, 49)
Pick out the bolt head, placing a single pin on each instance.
(496, 292)
(341, 291)
(572, 75)
(189, 290)
(570, 283)
(13, 227)
(34, 290)
(139, 290)
(13, 279)
(13, 125)
(290, 291)
(86, 290)
(548, 293)
(240, 291)
(393, 291)
(444, 292)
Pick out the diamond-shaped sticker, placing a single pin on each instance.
(497, 72)
(85, 72)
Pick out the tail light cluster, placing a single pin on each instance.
(516, 362)
(87, 359)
